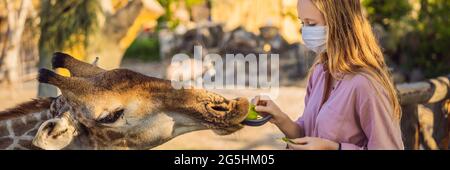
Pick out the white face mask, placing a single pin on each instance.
(315, 37)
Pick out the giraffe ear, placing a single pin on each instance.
(55, 134)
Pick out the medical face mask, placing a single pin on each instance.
(315, 38)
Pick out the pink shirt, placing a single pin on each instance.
(354, 114)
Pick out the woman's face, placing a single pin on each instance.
(309, 15)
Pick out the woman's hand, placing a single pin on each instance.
(290, 128)
(312, 143)
(269, 107)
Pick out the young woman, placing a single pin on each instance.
(351, 102)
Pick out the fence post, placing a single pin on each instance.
(410, 126)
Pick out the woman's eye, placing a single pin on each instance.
(112, 117)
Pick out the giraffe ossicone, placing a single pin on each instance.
(116, 109)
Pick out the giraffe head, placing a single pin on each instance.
(122, 109)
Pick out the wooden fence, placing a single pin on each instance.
(426, 113)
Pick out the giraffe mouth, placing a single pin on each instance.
(225, 117)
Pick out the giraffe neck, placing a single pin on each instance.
(18, 133)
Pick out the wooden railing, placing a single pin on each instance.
(425, 119)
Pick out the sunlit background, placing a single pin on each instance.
(414, 34)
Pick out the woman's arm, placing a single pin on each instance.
(377, 122)
(290, 128)
(375, 115)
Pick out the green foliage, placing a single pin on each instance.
(145, 48)
(430, 41)
(387, 11)
(66, 23)
(190, 3)
(416, 37)
(168, 20)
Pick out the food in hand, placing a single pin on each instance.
(252, 114)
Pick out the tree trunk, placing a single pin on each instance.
(112, 40)
(105, 44)
(107, 49)
(45, 90)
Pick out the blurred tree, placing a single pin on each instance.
(177, 12)
(168, 19)
(91, 29)
(281, 14)
(16, 19)
(386, 12)
(418, 33)
(63, 25)
(427, 47)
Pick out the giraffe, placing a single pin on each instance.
(114, 109)
(18, 132)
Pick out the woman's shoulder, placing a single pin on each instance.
(359, 80)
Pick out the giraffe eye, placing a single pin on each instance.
(112, 117)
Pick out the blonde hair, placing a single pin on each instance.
(352, 47)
